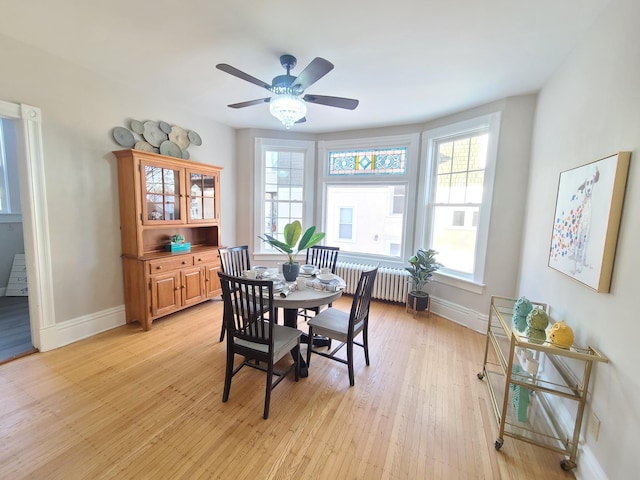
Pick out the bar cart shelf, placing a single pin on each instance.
(530, 379)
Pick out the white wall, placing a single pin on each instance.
(79, 111)
(589, 110)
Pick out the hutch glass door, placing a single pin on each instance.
(162, 194)
(202, 205)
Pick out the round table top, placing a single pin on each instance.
(306, 297)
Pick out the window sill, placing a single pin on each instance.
(458, 282)
(10, 218)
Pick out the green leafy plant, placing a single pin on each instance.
(177, 238)
(422, 266)
(293, 232)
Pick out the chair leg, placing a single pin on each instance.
(350, 362)
(267, 395)
(222, 330)
(296, 360)
(227, 376)
(365, 342)
(309, 345)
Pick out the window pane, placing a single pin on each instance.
(398, 199)
(458, 188)
(475, 187)
(455, 246)
(374, 229)
(443, 189)
(374, 161)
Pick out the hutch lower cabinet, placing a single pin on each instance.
(161, 197)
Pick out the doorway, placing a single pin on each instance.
(31, 197)
(15, 324)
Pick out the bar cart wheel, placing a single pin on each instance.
(499, 443)
(567, 465)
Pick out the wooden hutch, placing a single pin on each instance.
(160, 197)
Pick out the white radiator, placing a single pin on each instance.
(391, 283)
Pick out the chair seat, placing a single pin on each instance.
(333, 323)
(284, 339)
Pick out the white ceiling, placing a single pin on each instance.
(407, 61)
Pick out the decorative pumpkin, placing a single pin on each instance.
(535, 335)
(561, 335)
(537, 319)
(522, 307)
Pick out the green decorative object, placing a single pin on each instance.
(520, 398)
(535, 335)
(519, 322)
(292, 232)
(538, 319)
(522, 307)
(422, 266)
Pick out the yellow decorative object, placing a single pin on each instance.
(561, 335)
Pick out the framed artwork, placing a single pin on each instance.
(587, 218)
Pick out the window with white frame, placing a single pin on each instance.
(4, 178)
(345, 225)
(9, 189)
(365, 185)
(284, 187)
(458, 186)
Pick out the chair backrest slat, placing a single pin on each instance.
(362, 299)
(248, 306)
(234, 260)
(323, 257)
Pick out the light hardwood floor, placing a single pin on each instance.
(128, 404)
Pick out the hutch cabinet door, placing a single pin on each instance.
(162, 195)
(212, 281)
(165, 293)
(192, 285)
(202, 196)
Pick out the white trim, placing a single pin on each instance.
(71, 331)
(35, 217)
(458, 314)
(262, 145)
(409, 179)
(588, 467)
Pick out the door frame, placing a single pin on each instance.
(35, 224)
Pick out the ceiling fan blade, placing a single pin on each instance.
(317, 69)
(340, 102)
(250, 102)
(244, 76)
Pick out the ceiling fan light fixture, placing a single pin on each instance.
(287, 108)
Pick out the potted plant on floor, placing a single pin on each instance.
(422, 266)
(293, 232)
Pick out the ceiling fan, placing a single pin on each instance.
(287, 105)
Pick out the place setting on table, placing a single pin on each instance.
(310, 277)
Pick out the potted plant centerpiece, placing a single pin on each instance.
(422, 266)
(293, 232)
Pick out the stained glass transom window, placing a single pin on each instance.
(387, 161)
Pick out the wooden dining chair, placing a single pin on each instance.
(321, 257)
(233, 261)
(248, 308)
(344, 327)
